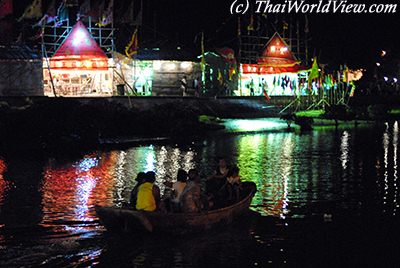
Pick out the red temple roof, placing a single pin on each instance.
(79, 51)
(277, 54)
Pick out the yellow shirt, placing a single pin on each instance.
(145, 198)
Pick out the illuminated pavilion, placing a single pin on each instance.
(277, 71)
(79, 67)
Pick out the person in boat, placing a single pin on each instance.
(216, 182)
(177, 188)
(140, 178)
(148, 197)
(191, 198)
(233, 183)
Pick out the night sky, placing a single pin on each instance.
(355, 39)
(352, 39)
(336, 39)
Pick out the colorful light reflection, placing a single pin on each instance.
(3, 183)
(73, 190)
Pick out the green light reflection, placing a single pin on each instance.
(256, 157)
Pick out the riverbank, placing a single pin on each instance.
(48, 124)
(342, 114)
(65, 123)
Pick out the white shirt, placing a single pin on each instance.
(178, 188)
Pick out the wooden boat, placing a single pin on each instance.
(128, 220)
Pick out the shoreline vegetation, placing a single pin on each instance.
(335, 114)
(70, 125)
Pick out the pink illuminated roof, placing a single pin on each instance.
(79, 45)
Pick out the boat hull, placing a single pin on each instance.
(127, 220)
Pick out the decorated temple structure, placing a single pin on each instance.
(277, 73)
(79, 67)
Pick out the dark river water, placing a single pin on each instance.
(325, 197)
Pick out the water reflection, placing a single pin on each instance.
(336, 172)
(395, 166)
(345, 149)
(3, 183)
(293, 172)
(3, 189)
(70, 192)
(386, 163)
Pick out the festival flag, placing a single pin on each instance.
(285, 26)
(353, 89)
(346, 74)
(62, 12)
(132, 48)
(203, 58)
(107, 16)
(6, 8)
(33, 11)
(228, 54)
(264, 87)
(220, 78)
(267, 97)
(314, 72)
(232, 72)
(250, 27)
(49, 17)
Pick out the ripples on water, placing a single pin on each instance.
(47, 207)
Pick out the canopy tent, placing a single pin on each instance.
(79, 52)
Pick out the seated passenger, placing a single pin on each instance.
(233, 183)
(140, 178)
(148, 197)
(216, 181)
(190, 199)
(222, 169)
(177, 187)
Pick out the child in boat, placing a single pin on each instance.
(140, 178)
(177, 188)
(233, 183)
(148, 197)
